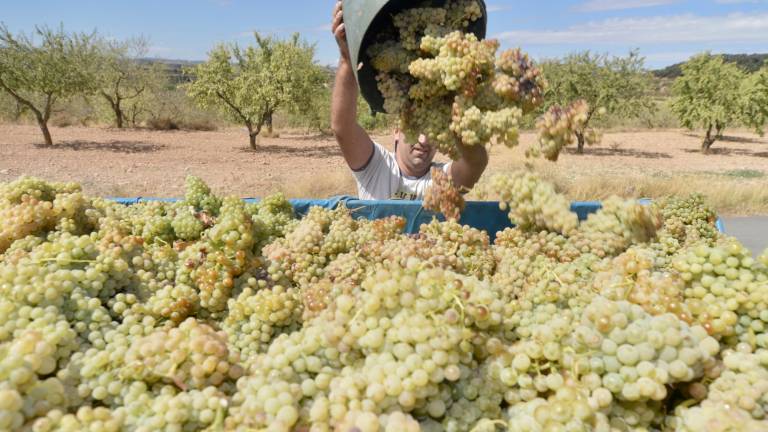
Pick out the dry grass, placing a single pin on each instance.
(324, 185)
(730, 196)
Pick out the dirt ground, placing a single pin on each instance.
(110, 162)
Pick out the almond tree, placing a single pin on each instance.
(249, 85)
(610, 85)
(122, 78)
(707, 95)
(39, 74)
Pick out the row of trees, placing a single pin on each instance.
(249, 85)
(40, 72)
(711, 94)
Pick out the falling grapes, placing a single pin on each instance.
(443, 196)
(442, 81)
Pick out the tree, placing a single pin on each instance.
(615, 85)
(38, 76)
(250, 84)
(10, 108)
(122, 78)
(707, 95)
(754, 100)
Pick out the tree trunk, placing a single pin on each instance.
(44, 128)
(268, 123)
(708, 141)
(252, 134)
(253, 140)
(581, 141)
(118, 115)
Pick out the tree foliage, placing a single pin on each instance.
(250, 84)
(38, 76)
(754, 100)
(707, 95)
(616, 85)
(747, 62)
(123, 80)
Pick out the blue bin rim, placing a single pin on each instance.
(353, 202)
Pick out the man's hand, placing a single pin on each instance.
(340, 31)
(466, 171)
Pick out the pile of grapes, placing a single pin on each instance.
(214, 314)
(445, 83)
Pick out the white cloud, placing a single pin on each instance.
(687, 28)
(497, 8)
(610, 5)
(740, 1)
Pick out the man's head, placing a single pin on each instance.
(415, 159)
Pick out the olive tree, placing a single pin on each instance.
(609, 84)
(123, 79)
(248, 85)
(40, 74)
(707, 95)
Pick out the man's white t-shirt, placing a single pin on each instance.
(382, 179)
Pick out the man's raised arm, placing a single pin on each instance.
(356, 145)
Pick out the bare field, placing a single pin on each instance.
(110, 162)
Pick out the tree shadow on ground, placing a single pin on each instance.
(309, 136)
(114, 146)
(602, 151)
(732, 139)
(724, 151)
(321, 152)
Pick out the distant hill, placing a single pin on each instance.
(748, 62)
(175, 67)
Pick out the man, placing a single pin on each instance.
(380, 174)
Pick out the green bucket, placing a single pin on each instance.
(365, 20)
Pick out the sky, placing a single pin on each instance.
(665, 31)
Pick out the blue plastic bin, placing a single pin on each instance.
(481, 215)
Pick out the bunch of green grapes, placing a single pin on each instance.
(197, 409)
(199, 196)
(560, 127)
(530, 244)
(568, 408)
(87, 418)
(521, 82)
(618, 225)
(191, 356)
(737, 400)
(295, 258)
(534, 204)
(30, 206)
(187, 224)
(688, 220)
(254, 319)
(443, 197)
(631, 276)
(721, 287)
(447, 245)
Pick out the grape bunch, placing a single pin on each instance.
(560, 127)
(443, 197)
(533, 204)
